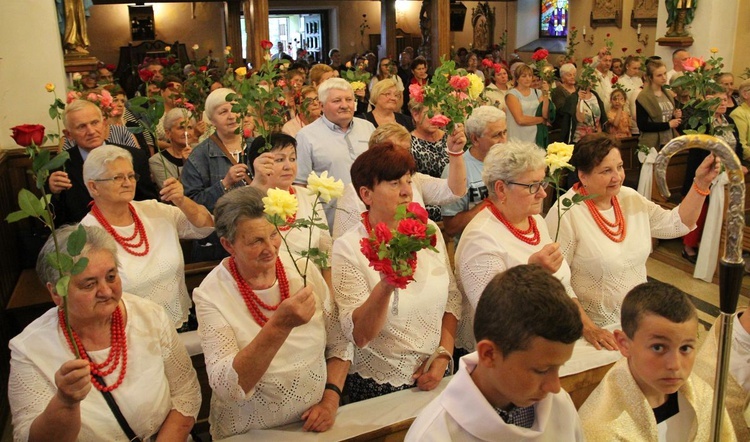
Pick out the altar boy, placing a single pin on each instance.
(651, 394)
(509, 389)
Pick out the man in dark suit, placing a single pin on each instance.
(84, 125)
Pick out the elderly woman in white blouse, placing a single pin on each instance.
(129, 350)
(147, 233)
(273, 348)
(393, 342)
(510, 231)
(426, 189)
(606, 239)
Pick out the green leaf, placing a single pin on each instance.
(16, 216)
(66, 262)
(79, 266)
(76, 241)
(567, 202)
(52, 260)
(62, 286)
(41, 159)
(57, 162)
(29, 203)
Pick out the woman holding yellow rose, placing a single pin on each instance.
(606, 239)
(272, 343)
(276, 169)
(510, 231)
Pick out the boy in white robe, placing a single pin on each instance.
(509, 388)
(651, 395)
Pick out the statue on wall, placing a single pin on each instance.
(679, 14)
(482, 21)
(71, 15)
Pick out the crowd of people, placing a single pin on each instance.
(282, 347)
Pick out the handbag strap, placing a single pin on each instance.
(116, 411)
(215, 138)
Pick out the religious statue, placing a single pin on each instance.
(425, 48)
(72, 20)
(679, 14)
(482, 21)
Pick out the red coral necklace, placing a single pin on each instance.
(131, 244)
(615, 231)
(252, 301)
(118, 351)
(529, 236)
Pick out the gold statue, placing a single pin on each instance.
(75, 37)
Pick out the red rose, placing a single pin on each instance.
(540, 55)
(433, 240)
(614, 79)
(486, 62)
(383, 265)
(624, 49)
(164, 62)
(440, 120)
(247, 133)
(111, 67)
(145, 75)
(365, 245)
(203, 68)
(26, 134)
(230, 60)
(588, 60)
(638, 51)
(416, 92)
(412, 227)
(383, 233)
(607, 34)
(266, 45)
(573, 28)
(417, 210)
(459, 83)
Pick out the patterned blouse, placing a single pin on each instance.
(431, 158)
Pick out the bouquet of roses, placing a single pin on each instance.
(394, 252)
(281, 210)
(359, 77)
(699, 81)
(558, 160)
(545, 71)
(450, 96)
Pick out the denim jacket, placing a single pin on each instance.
(203, 172)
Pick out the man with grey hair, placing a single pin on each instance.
(332, 142)
(85, 126)
(484, 128)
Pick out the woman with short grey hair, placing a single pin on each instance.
(509, 231)
(128, 350)
(148, 232)
(268, 336)
(179, 126)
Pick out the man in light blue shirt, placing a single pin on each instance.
(333, 141)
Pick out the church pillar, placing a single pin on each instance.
(387, 29)
(256, 25)
(439, 13)
(234, 32)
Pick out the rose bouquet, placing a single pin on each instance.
(545, 71)
(699, 81)
(260, 97)
(65, 262)
(450, 96)
(393, 253)
(281, 210)
(558, 160)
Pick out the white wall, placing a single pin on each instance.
(715, 25)
(30, 56)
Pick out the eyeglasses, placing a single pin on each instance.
(534, 188)
(119, 179)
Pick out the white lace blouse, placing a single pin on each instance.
(408, 338)
(296, 377)
(158, 276)
(159, 378)
(603, 271)
(487, 248)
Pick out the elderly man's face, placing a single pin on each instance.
(86, 128)
(494, 133)
(339, 107)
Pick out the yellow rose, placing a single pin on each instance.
(560, 149)
(241, 71)
(714, 50)
(196, 47)
(327, 187)
(280, 202)
(228, 48)
(167, 48)
(476, 86)
(50, 87)
(555, 162)
(358, 85)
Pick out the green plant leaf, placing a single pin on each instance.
(16, 216)
(62, 286)
(79, 266)
(66, 262)
(29, 203)
(56, 162)
(76, 241)
(40, 160)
